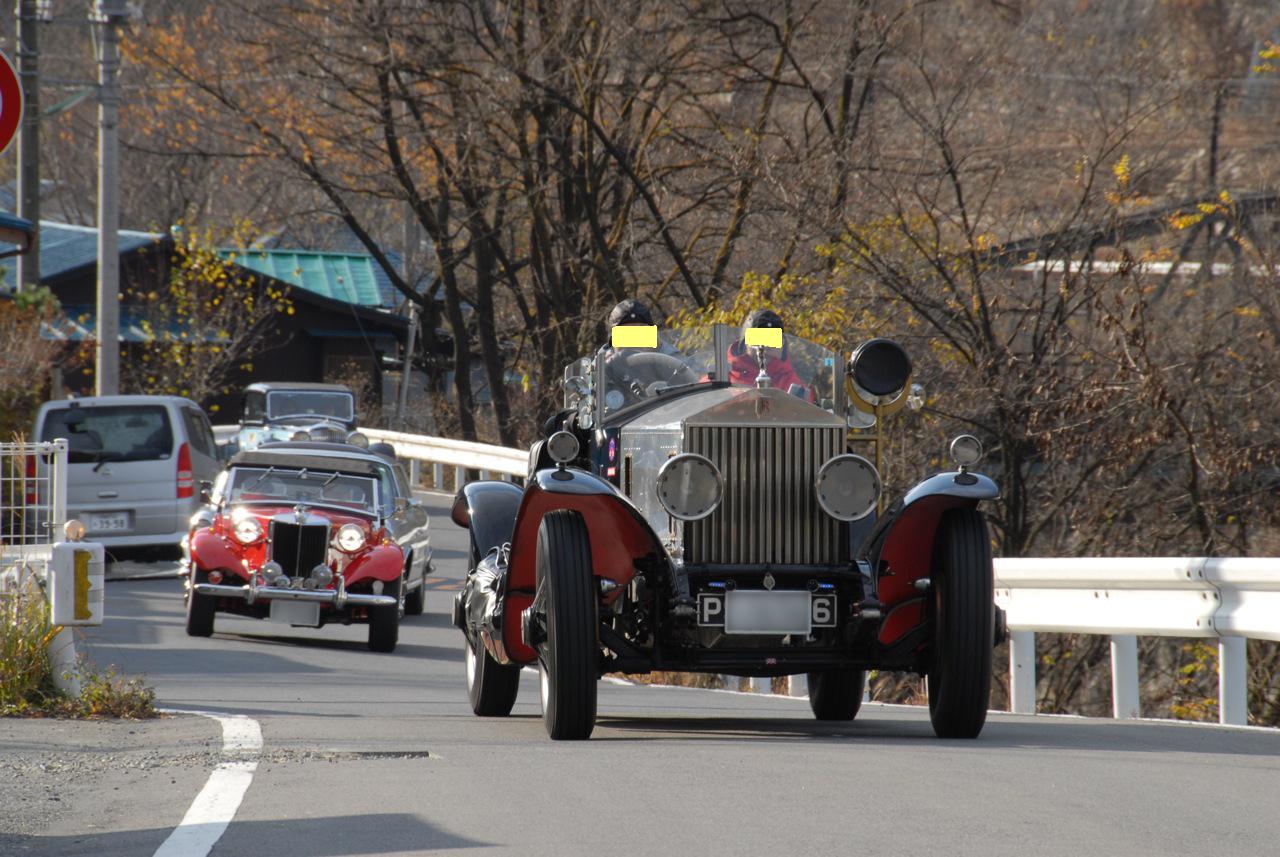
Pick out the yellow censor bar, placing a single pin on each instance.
(769, 337)
(635, 336)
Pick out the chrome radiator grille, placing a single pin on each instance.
(299, 548)
(770, 512)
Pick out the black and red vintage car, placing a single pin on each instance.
(307, 535)
(685, 513)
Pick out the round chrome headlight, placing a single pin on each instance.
(848, 487)
(350, 537)
(300, 436)
(73, 530)
(966, 450)
(689, 487)
(246, 528)
(358, 439)
(562, 447)
(322, 576)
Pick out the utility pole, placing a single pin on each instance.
(110, 14)
(29, 139)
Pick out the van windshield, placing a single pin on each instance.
(111, 432)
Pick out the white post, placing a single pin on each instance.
(761, 684)
(59, 492)
(415, 472)
(1124, 677)
(797, 685)
(484, 474)
(459, 477)
(1233, 681)
(62, 660)
(1022, 672)
(437, 476)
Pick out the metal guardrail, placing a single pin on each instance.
(442, 453)
(1230, 600)
(1227, 599)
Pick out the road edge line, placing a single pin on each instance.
(215, 806)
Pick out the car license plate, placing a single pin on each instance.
(108, 522)
(756, 612)
(296, 613)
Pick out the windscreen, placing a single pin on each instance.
(310, 487)
(634, 375)
(111, 432)
(805, 369)
(310, 403)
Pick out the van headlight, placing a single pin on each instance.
(350, 538)
(689, 486)
(848, 487)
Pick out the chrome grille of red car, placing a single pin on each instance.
(299, 547)
(770, 511)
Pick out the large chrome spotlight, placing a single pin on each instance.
(878, 373)
(689, 487)
(848, 487)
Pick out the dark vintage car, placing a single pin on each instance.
(307, 534)
(684, 513)
(277, 411)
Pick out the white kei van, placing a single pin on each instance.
(135, 464)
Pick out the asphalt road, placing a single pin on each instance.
(379, 754)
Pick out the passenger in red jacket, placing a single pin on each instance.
(744, 368)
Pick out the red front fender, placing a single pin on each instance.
(381, 562)
(210, 551)
(619, 537)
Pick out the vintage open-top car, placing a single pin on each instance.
(684, 513)
(276, 411)
(307, 534)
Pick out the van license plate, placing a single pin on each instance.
(110, 522)
(296, 613)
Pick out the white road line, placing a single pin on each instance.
(212, 810)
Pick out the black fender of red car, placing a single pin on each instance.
(902, 544)
(619, 535)
(488, 509)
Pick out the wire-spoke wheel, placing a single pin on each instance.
(963, 611)
(569, 657)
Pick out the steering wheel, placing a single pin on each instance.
(642, 375)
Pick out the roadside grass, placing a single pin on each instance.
(28, 685)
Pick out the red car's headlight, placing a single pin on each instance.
(350, 538)
(246, 528)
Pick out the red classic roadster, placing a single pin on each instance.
(304, 538)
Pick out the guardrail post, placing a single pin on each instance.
(1124, 677)
(459, 477)
(761, 684)
(437, 476)
(415, 472)
(1022, 672)
(1233, 681)
(797, 685)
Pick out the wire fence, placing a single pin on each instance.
(33, 502)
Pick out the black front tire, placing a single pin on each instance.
(569, 659)
(836, 694)
(384, 622)
(491, 686)
(200, 608)
(416, 601)
(963, 614)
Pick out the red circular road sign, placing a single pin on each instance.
(10, 103)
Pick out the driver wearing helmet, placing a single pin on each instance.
(744, 368)
(634, 373)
